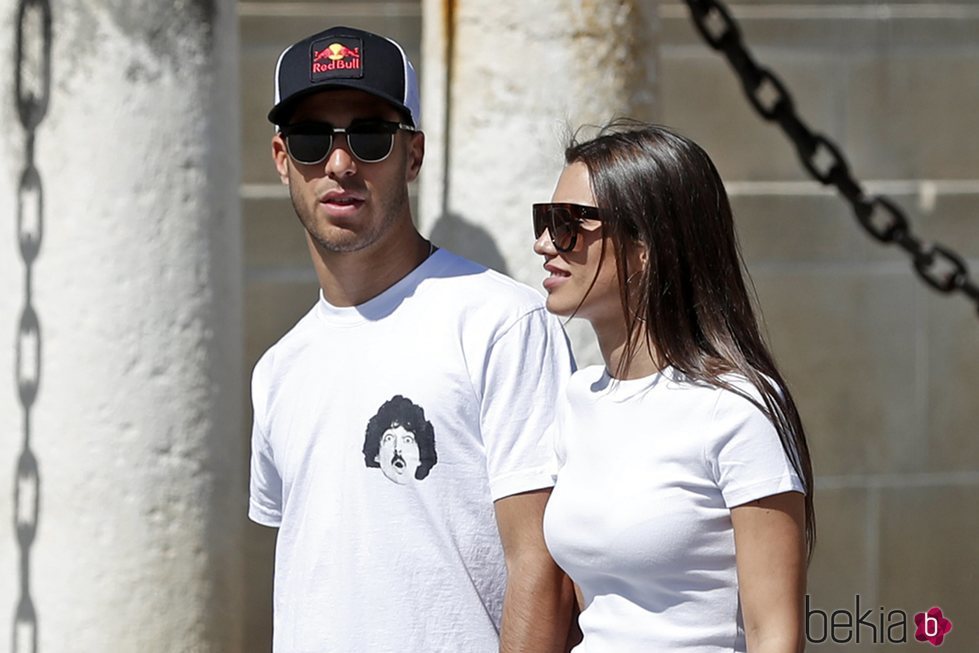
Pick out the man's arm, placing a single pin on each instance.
(539, 599)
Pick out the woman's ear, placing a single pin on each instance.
(638, 257)
(640, 254)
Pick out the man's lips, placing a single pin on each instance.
(341, 194)
(342, 203)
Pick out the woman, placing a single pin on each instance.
(681, 508)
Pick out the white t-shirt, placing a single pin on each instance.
(640, 518)
(382, 435)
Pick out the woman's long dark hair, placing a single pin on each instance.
(688, 300)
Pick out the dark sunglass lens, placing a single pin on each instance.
(540, 221)
(309, 148)
(369, 146)
(563, 227)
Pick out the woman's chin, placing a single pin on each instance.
(558, 307)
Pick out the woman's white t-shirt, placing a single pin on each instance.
(640, 517)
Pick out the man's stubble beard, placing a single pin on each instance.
(389, 211)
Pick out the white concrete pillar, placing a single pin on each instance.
(504, 83)
(135, 432)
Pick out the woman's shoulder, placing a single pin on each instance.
(739, 394)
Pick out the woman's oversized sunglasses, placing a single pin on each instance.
(562, 221)
(370, 141)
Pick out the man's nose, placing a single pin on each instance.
(340, 163)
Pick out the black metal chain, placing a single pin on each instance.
(33, 88)
(937, 265)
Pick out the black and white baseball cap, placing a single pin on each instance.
(345, 57)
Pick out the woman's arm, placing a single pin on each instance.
(769, 540)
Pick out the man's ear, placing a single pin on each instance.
(416, 154)
(280, 157)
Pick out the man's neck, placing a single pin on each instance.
(352, 278)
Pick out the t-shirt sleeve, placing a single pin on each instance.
(526, 367)
(746, 456)
(558, 449)
(265, 484)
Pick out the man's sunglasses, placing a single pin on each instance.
(562, 222)
(370, 141)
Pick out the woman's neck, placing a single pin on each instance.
(613, 338)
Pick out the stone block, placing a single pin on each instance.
(841, 565)
(839, 26)
(821, 227)
(273, 234)
(954, 222)
(271, 309)
(951, 382)
(869, 84)
(400, 21)
(845, 341)
(928, 557)
(777, 25)
(802, 230)
(912, 117)
(945, 28)
(256, 91)
(259, 553)
(702, 98)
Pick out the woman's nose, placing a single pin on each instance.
(544, 246)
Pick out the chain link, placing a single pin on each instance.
(28, 357)
(936, 265)
(32, 89)
(29, 212)
(33, 80)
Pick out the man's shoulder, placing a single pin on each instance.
(474, 283)
(286, 346)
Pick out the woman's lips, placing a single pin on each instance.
(556, 278)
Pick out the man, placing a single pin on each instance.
(453, 559)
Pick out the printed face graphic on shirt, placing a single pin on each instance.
(400, 441)
(399, 456)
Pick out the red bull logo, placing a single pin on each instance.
(336, 56)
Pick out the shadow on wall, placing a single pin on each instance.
(472, 241)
